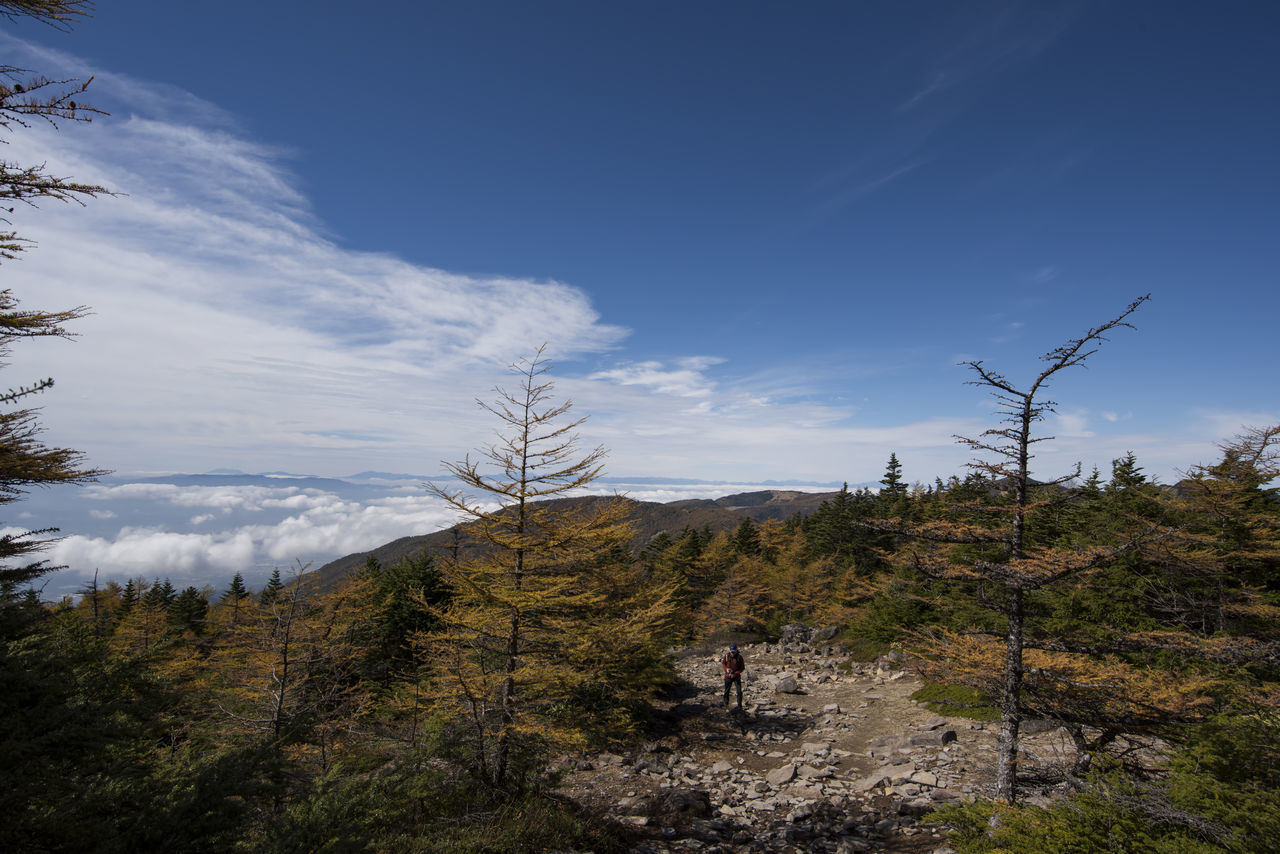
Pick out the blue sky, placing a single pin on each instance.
(756, 237)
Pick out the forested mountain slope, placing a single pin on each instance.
(650, 518)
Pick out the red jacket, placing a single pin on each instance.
(732, 664)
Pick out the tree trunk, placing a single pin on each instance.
(1010, 714)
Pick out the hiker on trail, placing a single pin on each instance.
(733, 666)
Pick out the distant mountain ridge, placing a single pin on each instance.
(270, 480)
(649, 517)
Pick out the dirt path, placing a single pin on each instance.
(847, 762)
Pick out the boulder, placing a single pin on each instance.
(795, 633)
(873, 780)
(917, 807)
(932, 738)
(781, 775)
(924, 778)
(800, 812)
(786, 683)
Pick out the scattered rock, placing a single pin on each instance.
(781, 775)
(933, 738)
(786, 683)
(683, 802)
(797, 770)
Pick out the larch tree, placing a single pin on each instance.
(537, 619)
(984, 543)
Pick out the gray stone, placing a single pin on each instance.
(924, 778)
(933, 738)
(786, 683)
(722, 767)
(794, 633)
(800, 812)
(898, 773)
(781, 775)
(871, 781)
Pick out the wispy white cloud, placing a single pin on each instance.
(1009, 332)
(1072, 424)
(687, 378)
(228, 328)
(942, 80)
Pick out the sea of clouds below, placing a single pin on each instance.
(202, 534)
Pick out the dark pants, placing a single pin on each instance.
(730, 681)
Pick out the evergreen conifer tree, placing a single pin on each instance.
(272, 590)
(187, 614)
(892, 486)
(24, 460)
(235, 594)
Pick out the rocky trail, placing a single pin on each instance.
(826, 755)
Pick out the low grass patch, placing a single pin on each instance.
(860, 648)
(957, 701)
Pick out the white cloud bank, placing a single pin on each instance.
(324, 527)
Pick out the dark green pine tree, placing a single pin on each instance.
(271, 592)
(396, 596)
(746, 539)
(652, 552)
(235, 594)
(155, 597)
(892, 486)
(129, 597)
(188, 612)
